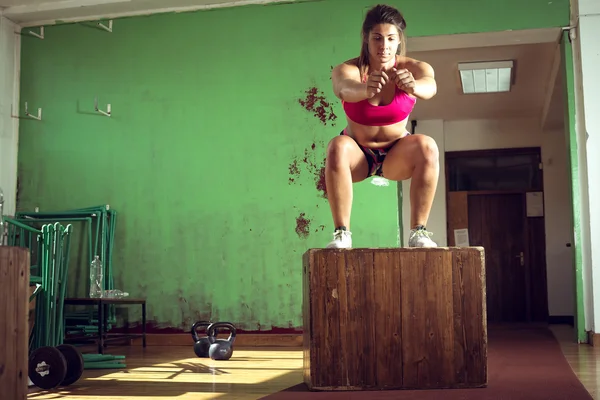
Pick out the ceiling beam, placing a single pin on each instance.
(48, 13)
(484, 39)
(59, 5)
(551, 85)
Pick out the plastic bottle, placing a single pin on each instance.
(115, 294)
(96, 278)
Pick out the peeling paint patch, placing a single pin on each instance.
(320, 181)
(294, 172)
(320, 228)
(302, 226)
(316, 170)
(316, 103)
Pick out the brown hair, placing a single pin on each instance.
(380, 14)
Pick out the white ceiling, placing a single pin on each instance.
(37, 12)
(533, 52)
(535, 91)
(532, 79)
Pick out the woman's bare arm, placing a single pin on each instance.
(425, 85)
(347, 85)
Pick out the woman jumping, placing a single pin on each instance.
(378, 91)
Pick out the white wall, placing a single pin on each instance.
(587, 48)
(9, 89)
(490, 134)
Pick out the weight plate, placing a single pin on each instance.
(47, 367)
(74, 363)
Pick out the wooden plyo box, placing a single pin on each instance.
(394, 318)
(14, 332)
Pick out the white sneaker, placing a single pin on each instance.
(420, 237)
(341, 240)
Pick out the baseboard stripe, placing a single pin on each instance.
(241, 340)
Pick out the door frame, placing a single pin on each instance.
(570, 68)
(527, 220)
(577, 238)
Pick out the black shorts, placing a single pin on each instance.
(374, 157)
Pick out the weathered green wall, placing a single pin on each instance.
(209, 124)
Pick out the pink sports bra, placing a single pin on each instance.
(365, 113)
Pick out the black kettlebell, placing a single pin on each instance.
(220, 349)
(201, 345)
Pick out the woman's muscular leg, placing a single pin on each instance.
(415, 157)
(344, 165)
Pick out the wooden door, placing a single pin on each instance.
(497, 222)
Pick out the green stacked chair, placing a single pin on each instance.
(49, 243)
(49, 247)
(100, 223)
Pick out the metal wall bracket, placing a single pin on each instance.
(27, 113)
(39, 113)
(107, 112)
(108, 27)
(37, 35)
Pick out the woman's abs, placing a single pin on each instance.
(376, 137)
